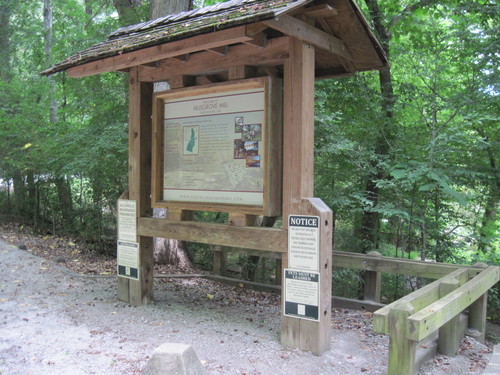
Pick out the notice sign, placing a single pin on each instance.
(128, 260)
(127, 224)
(303, 242)
(302, 294)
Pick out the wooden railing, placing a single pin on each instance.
(434, 308)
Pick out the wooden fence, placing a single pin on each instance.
(434, 308)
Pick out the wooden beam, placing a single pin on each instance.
(183, 58)
(177, 82)
(162, 51)
(241, 72)
(394, 265)
(309, 34)
(257, 238)
(275, 53)
(221, 51)
(258, 40)
(321, 11)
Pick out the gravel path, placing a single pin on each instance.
(54, 321)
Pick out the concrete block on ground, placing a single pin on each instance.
(174, 359)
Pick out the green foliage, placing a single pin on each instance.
(346, 283)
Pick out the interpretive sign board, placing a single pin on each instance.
(127, 220)
(128, 259)
(303, 242)
(214, 146)
(301, 294)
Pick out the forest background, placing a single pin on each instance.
(406, 158)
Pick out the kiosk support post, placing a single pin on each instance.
(140, 292)
(298, 177)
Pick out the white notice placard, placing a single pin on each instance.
(128, 259)
(127, 220)
(303, 242)
(301, 294)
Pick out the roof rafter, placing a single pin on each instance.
(310, 34)
(163, 51)
(274, 53)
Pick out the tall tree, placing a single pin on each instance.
(160, 8)
(5, 56)
(168, 250)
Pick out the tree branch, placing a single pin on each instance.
(410, 9)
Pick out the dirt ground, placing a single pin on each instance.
(54, 320)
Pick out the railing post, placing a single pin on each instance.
(219, 262)
(477, 312)
(372, 282)
(477, 316)
(401, 349)
(448, 340)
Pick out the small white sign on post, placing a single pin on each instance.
(302, 294)
(128, 260)
(127, 247)
(303, 242)
(127, 220)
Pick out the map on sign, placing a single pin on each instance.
(214, 147)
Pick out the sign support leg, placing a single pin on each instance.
(298, 188)
(140, 292)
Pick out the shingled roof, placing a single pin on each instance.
(228, 15)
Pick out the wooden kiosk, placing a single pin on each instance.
(242, 78)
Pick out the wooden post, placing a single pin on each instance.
(477, 311)
(448, 340)
(372, 282)
(219, 261)
(140, 292)
(298, 187)
(477, 316)
(401, 349)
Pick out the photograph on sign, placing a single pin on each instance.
(303, 242)
(301, 294)
(128, 259)
(127, 220)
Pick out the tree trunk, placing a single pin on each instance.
(65, 202)
(5, 12)
(161, 8)
(47, 26)
(489, 223)
(168, 251)
(19, 194)
(126, 13)
(88, 7)
(250, 263)
(370, 218)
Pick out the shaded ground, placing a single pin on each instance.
(56, 321)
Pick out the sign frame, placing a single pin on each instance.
(271, 141)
